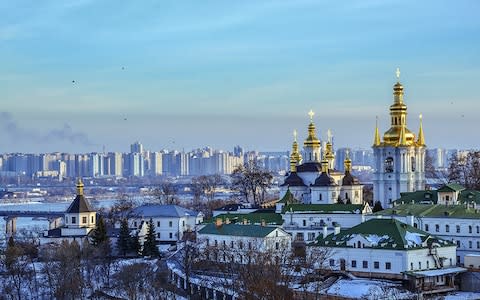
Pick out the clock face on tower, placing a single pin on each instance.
(388, 165)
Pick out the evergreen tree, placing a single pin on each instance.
(11, 242)
(377, 207)
(99, 235)
(150, 245)
(123, 243)
(134, 244)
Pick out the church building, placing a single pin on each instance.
(400, 157)
(312, 178)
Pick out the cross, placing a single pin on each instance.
(329, 135)
(347, 153)
(420, 116)
(295, 135)
(398, 73)
(311, 114)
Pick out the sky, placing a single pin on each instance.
(85, 75)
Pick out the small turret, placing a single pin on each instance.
(376, 138)
(421, 138)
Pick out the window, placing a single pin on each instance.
(320, 197)
(478, 244)
(388, 265)
(311, 236)
(478, 229)
(249, 245)
(426, 227)
(158, 235)
(359, 244)
(231, 244)
(208, 242)
(447, 228)
(470, 229)
(376, 265)
(84, 220)
(216, 243)
(183, 223)
(365, 264)
(170, 235)
(389, 165)
(74, 220)
(332, 262)
(458, 244)
(428, 264)
(411, 266)
(419, 265)
(277, 246)
(304, 223)
(354, 263)
(458, 228)
(447, 198)
(240, 245)
(170, 224)
(413, 164)
(470, 244)
(158, 223)
(437, 228)
(135, 224)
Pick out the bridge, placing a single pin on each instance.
(10, 216)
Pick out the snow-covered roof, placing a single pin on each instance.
(437, 272)
(157, 210)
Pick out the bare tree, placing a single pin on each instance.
(166, 193)
(251, 181)
(465, 170)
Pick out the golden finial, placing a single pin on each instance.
(329, 135)
(295, 135)
(421, 137)
(311, 114)
(347, 162)
(376, 139)
(397, 73)
(79, 187)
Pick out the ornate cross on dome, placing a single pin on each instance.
(398, 73)
(311, 114)
(295, 135)
(329, 135)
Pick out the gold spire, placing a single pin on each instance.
(376, 139)
(295, 156)
(79, 187)
(347, 163)
(421, 138)
(311, 140)
(324, 165)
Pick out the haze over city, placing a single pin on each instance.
(80, 75)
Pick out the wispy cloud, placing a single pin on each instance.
(66, 134)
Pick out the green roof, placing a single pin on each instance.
(288, 198)
(432, 210)
(237, 230)
(451, 187)
(325, 208)
(465, 196)
(252, 218)
(385, 234)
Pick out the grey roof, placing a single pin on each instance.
(79, 205)
(158, 210)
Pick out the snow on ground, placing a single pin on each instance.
(367, 289)
(462, 296)
(413, 238)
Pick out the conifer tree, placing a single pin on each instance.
(124, 243)
(134, 244)
(377, 207)
(150, 245)
(99, 235)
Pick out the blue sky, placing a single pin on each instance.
(184, 74)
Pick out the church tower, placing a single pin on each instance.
(400, 158)
(312, 145)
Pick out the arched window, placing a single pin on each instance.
(389, 165)
(413, 163)
(359, 244)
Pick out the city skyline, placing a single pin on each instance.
(78, 76)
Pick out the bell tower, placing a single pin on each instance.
(400, 158)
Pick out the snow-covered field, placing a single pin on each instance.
(462, 296)
(367, 289)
